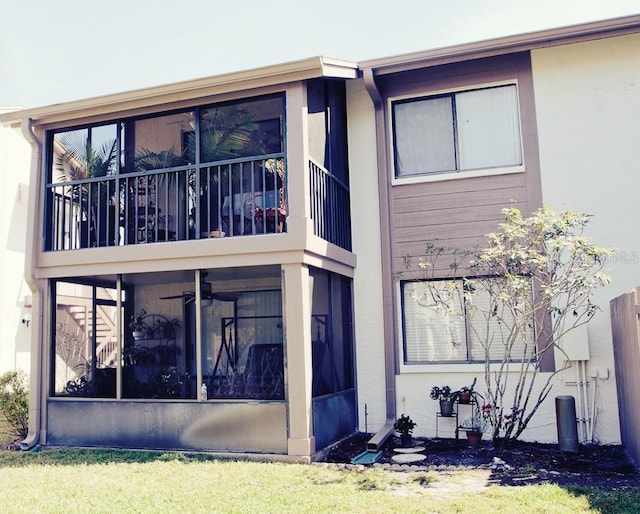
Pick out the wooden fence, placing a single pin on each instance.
(626, 350)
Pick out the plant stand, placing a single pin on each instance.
(473, 404)
(454, 414)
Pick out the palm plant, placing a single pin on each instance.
(226, 132)
(78, 160)
(147, 160)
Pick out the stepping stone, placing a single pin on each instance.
(414, 449)
(406, 458)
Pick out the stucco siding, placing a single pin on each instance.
(15, 155)
(367, 282)
(588, 109)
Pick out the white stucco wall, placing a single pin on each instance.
(15, 336)
(588, 113)
(368, 299)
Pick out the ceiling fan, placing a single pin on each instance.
(206, 293)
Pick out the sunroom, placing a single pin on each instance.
(205, 171)
(201, 360)
(191, 265)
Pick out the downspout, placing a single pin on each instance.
(585, 401)
(35, 378)
(383, 434)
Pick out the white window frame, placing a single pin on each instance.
(451, 174)
(428, 367)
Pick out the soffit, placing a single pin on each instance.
(280, 74)
(504, 45)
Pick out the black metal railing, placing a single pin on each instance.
(330, 209)
(225, 199)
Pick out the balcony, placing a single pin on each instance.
(238, 197)
(205, 172)
(231, 198)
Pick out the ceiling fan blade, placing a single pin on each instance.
(183, 295)
(206, 294)
(223, 297)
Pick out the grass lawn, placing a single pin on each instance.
(78, 481)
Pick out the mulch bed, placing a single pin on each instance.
(606, 467)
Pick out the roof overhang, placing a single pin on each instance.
(314, 67)
(504, 45)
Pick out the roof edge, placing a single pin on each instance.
(312, 67)
(507, 44)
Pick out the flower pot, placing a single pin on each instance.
(446, 408)
(138, 334)
(464, 397)
(406, 440)
(474, 438)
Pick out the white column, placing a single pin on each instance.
(299, 210)
(297, 322)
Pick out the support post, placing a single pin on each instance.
(297, 322)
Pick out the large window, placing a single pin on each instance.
(85, 340)
(331, 333)
(242, 345)
(204, 172)
(442, 324)
(241, 337)
(459, 131)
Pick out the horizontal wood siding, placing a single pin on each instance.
(453, 213)
(458, 212)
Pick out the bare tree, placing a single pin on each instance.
(519, 295)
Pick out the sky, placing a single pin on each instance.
(54, 51)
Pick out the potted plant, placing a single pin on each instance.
(446, 398)
(404, 425)
(165, 327)
(465, 393)
(81, 160)
(166, 383)
(137, 324)
(474, 427)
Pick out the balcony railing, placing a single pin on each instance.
(231, 198)
(227, 199)
(330, 207)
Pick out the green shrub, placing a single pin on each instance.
(14, 401)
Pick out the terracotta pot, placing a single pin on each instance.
(464, 397)
(474, 438)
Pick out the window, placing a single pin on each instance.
(165, 176)
(463, 331)
(84, 333)
(241, 337)
(466, 130)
